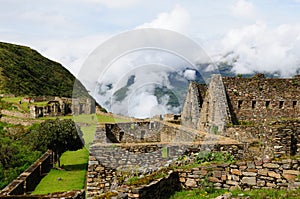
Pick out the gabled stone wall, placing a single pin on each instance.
(192, 105)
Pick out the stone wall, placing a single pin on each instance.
(258, 98)
(76, 194)
(153, 131)
(109, 162)
(231, 100)
(133, 132)
(276, 139)
(30, 178)
(260, 174)
(160, 189)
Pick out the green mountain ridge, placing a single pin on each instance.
(24, 71)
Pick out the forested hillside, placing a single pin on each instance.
(24, 71)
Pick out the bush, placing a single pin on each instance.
(214, 157)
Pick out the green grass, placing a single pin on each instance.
(90, 118)
(255, 194)
(71, 178)
(16, 101)
(88, 134)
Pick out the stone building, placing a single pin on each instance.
(262, 112)
(63, 106)
(235, 100)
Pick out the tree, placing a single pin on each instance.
(58, 136)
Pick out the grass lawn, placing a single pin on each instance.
(255, 194)
(71, 178)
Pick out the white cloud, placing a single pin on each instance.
(190, 74)
(113, 3)
(243, 8)
(71, 53)
(177, 20)
(261, 48)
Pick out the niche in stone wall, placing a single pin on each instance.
(281, 103)
(294, 104)
(253, 104)
(121, 135)
(240, 102)
(143, 134)
(293, 144)
(267, 104)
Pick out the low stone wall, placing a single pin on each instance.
(133, 132)
(283, 174)
(154, 131)
(161, 189)
(77, 194)
(260, 174)
(30, 178)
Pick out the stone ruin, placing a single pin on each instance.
(252, 110)
(60, 106)
(254, 119)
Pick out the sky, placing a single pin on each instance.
(258, 35)
(262, 34)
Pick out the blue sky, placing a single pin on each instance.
(68, 30)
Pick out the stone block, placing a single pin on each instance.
(291, 172)
(231, 182)
(223, 177)
(271, 165)
(213, 179)
(289, 177)
(217, 174)
(249, 174)
(250, 165)
(182, 180)
(191, 183)
(236, 172)
(271, 184)
(261, 183)
(249, 180)
(252, 170)
(263, 172)
(274, 175)
(235, 178)
(193, 176)
(286, 166)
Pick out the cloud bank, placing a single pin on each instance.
(259, 48)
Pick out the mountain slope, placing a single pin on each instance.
(24, 71)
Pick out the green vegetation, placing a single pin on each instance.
(136, 181)
(255, 194)
(24, 71)
(15, 155)
(215, 157)
(71, 177)
(4, 105)
(160, 92)
(57, 135)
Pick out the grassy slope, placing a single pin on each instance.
(72, 178)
